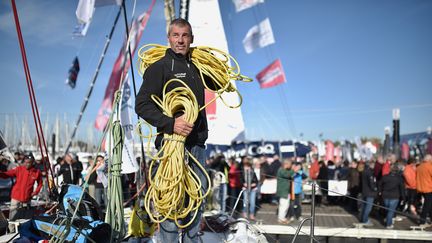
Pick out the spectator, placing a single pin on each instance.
(424, 186)
(101, 182)
(409, 175)
(22, 191)
(220, 165)
(248, 177)
(353, 185)
(283, 191)
(392, 189)
(378, 167)
(234, 182)
(298, 177)
(369, 192)
(70, 170)
(314, 168)
(391, 160)
(322, 181)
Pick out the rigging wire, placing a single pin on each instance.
(35, 111)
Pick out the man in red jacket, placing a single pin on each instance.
(22, 191)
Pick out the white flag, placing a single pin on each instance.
(129, 164)
(258, 36)
(245, 4)
(85, 10)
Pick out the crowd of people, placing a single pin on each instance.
(389, 183)
(241, 185)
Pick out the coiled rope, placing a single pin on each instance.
(211, 62)
(175, 190)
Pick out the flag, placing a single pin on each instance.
(245, 4)
(329, 150)
(85, 10)
(84, 14)
(121, 64)
(271, 75)
(80, 29)
(73, 73)
(129, 164)
(258, 36)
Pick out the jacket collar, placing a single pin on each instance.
(177, 56)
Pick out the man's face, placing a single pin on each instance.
(180, 38)
(28, 163)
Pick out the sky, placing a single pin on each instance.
(347, 64)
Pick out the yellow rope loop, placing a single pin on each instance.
(148, 54)
(175, 190)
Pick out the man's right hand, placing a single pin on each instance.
(182, 127)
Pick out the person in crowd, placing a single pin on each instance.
(248, 178)
(271, 167)
(391, 160)
(220, 165)
(295, 205)
(101, 183)
(91, 177)
(259, 172)
(70, 170)
(234, 182)
(22, 191)
(379, 163)
(353, 185)
(392, 189)
(409, 175)
(424, 186)
(369, 192)
(322, 181)
(283, 190)
(314, 168)
(331, 170)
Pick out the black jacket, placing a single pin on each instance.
(392, 186)
(369, 184)
(171, 66)
(71, 172)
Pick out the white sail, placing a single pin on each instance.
(226, 124)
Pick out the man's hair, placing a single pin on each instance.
(179, 22)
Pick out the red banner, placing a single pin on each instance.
(122, 60)
(272, 75)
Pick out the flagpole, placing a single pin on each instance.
(95, 75)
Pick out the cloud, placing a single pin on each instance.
(42, 22)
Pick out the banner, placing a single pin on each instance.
(73, 73)
(286, 149)
(271, 75)
(258, 36)
(121, 64)
(337, 188)
(129, 164)
(329, 150)
(241, 5)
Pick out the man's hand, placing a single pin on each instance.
(182, 127)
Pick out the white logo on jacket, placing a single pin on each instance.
(180, 75)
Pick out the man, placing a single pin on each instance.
(369, 192)
(70, 170)
(409, 175)
(283, 190)
(176, 64)
(424, 186)
(22, 191)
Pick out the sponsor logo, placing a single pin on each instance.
(180, 75)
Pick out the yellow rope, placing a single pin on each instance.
(210, 62)
(175, 190)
